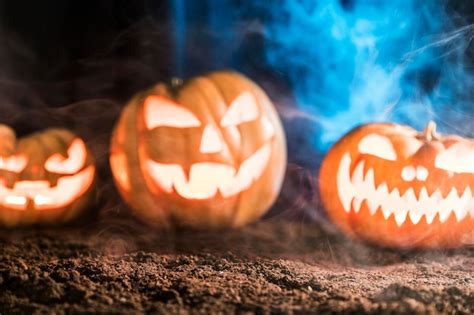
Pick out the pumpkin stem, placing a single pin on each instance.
(175, 84)
(430, 132)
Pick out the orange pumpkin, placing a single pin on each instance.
(209, 153)
(47, 177)
(390, 185)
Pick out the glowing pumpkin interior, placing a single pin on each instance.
(209, 152)
(29, 180)
(204, 180)
(384, 173)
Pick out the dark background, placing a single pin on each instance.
(65, 51)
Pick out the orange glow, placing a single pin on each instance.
(118, 163)
(16, 202)
(160, 111)
(43, 197)
(211, 142)
(77, 156)
(360, 187)
(243, 109)
(206, 179)
(15, 164)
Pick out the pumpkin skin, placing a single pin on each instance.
(208, 154)
(45, 178)
(395, 187)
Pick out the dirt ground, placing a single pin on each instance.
(275, 266)
(289, 263)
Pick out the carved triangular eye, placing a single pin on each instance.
(243, 109)
(77, 155)
(458, 158)
(160, 111)
(15, 164)
(378, 146)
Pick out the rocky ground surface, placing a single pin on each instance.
(275, 266)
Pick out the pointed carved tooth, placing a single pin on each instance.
(378, 198)
(410, 198)
(408, 201)
(467, 193)
(448, 204)
(395, 193)
(424, 197)
(468, 196)
(385, 212)
(357, 202)
(471, 208)
(414, 217)
(394, 202)
(463, 209)
(400, 216)
(358, 175)
(382, 190)
(444, 215)
(345, 188)
(435, 204)
(370, 180)
(387, 201)
(372, 204)
(436, 197)
(460, 213)
(430, 216)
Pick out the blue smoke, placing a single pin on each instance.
(352, 62)
(178, 8)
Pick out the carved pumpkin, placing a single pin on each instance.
(47, 177)
(209, 153)
(393, 186)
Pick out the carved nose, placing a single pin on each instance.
(409, 173)
(211, 141)
(421, 173)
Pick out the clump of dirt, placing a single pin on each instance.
(274, 266)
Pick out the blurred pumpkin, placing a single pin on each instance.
(207, 153)
(393, 186)
(47, 177)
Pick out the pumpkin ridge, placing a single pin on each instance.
(235, 161)
(407, 200)
(217, 85)
(137, 134)
(217, 121)
(244, 198)
(39, 198)
(198, 85)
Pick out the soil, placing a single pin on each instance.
(275, 266)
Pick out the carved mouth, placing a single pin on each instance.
(42, 196)
(205, 180)
(354, 190)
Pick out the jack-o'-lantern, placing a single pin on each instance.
(47, 177)
(393, 186)
(207, 153)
